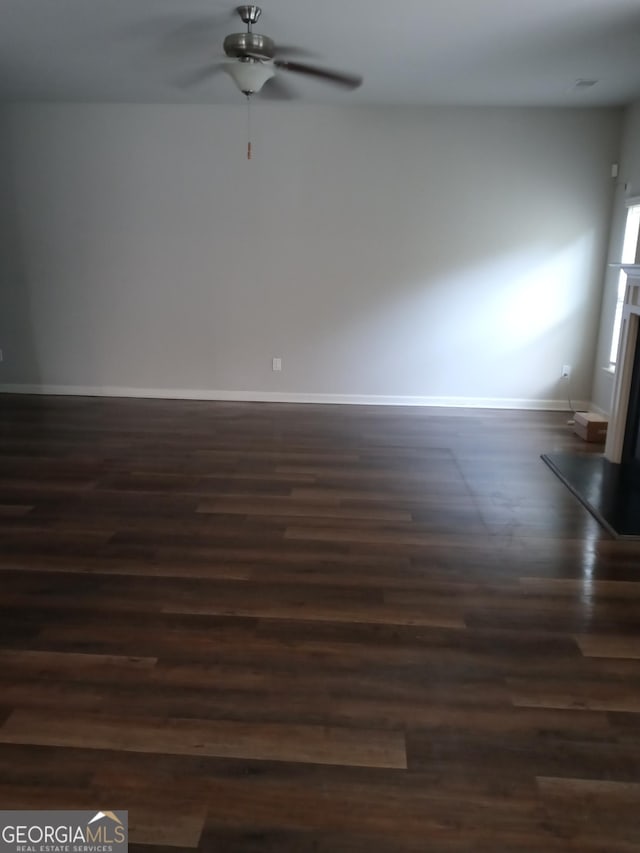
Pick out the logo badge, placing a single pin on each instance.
(64, 832)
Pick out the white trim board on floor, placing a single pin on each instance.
(289, 397)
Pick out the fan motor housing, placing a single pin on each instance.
(241, 45)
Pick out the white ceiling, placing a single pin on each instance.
(482, 52)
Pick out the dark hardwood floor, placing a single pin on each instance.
(302, 628)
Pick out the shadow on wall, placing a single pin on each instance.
(20, 365)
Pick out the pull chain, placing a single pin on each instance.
(249, 127)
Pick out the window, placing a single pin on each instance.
(629, 256)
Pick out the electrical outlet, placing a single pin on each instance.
(276, 365)
(566, 371)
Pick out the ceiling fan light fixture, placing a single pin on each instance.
(250, 76)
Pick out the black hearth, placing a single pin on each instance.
(611, 492)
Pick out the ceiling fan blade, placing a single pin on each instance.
(276, 89)
(292, 50)
(195, 78)
(194, 34)
(347, 81)
(180, 32)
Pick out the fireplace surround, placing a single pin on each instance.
(621, 402)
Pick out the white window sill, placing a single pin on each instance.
(611, 370)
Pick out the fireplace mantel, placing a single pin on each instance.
(624, 366)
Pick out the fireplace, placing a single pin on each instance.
(623, 436)
(609, 485)
(631, 443)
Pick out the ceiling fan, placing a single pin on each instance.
(257, 61)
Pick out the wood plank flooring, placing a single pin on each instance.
(314, 628)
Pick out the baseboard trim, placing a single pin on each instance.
(286, 397)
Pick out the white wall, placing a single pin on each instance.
(627, 185)
(442, 254)
(16, 337)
